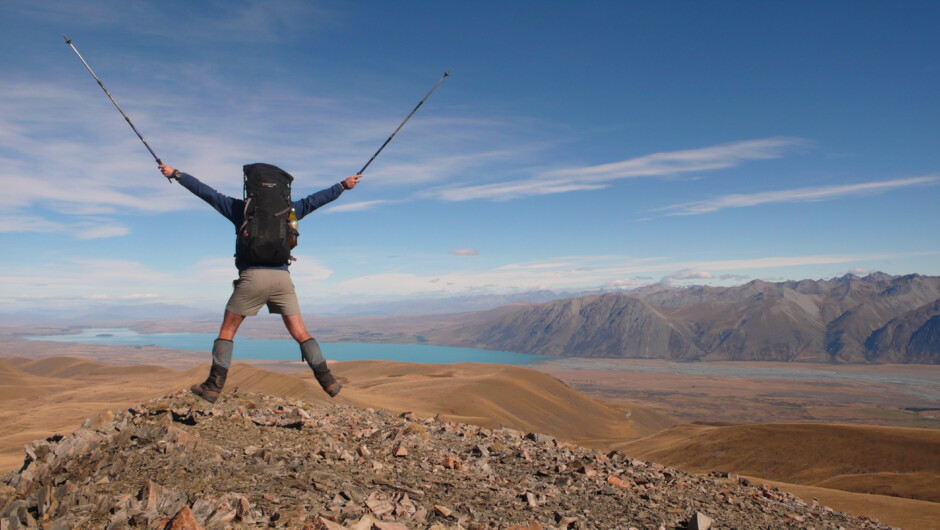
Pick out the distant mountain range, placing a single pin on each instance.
(449, 304)
(878, 318)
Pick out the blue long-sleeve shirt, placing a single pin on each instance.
(234, 209)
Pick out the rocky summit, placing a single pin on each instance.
(253, 461)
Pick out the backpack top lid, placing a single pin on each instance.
(264, 171)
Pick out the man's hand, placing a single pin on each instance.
(350, 182)
(167, 171)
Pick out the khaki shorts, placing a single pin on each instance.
(258, 287)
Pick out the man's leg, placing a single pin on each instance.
(296, 328)
(230, 323)
(310, 351)
(221, 358)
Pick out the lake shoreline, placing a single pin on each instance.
(285, 349)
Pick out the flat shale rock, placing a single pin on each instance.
(256, 461)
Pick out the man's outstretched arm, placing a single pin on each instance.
(225, 205)
(318, 199)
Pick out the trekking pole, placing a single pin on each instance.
(92, 72)
(439, 81)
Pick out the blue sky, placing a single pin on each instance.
(575, 145)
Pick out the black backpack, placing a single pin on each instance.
(263, 238)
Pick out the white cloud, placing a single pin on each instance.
(28, 223)
(134, 296)
(620, 285)
(685, 161)
(100, 231)
(308, 269)
(509, 190)
(355, 206)
(821, 193)
(252, 20)
(211, 270)
(596, 177)
(763, 263)
(81, 278)
(64, 143)
(89, 228)
(429, 169)
(686, 275)
(465, 252)
(533, 266)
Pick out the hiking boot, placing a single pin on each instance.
(205, 393)
(333, 389)
(328, 383)
(310, 351)
(212, 387)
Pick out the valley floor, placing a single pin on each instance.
(752, 392)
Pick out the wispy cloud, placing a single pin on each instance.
(685, 161)
(89, 228)
(63, 144)
(355, 206)
(671, 163)
(534, 266)
(73, 282)
(769, 262)
(822, 193)
(81, 277)
(673, 278)
(465, 252)
(510, 190)
(252, 20)
(308, 269)
(434, 169)
(107, 229)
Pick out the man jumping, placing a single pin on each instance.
(260, 284)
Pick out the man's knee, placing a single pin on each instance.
(296, 328)
(230, 323)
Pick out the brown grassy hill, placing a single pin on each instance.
(902, 513)
(249, 378)
(885, 460)
(56, 394)
(64, 391)
(922, 485)
(492, 395)
(68, 367)
(15, 383)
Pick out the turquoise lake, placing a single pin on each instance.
(287, 349)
